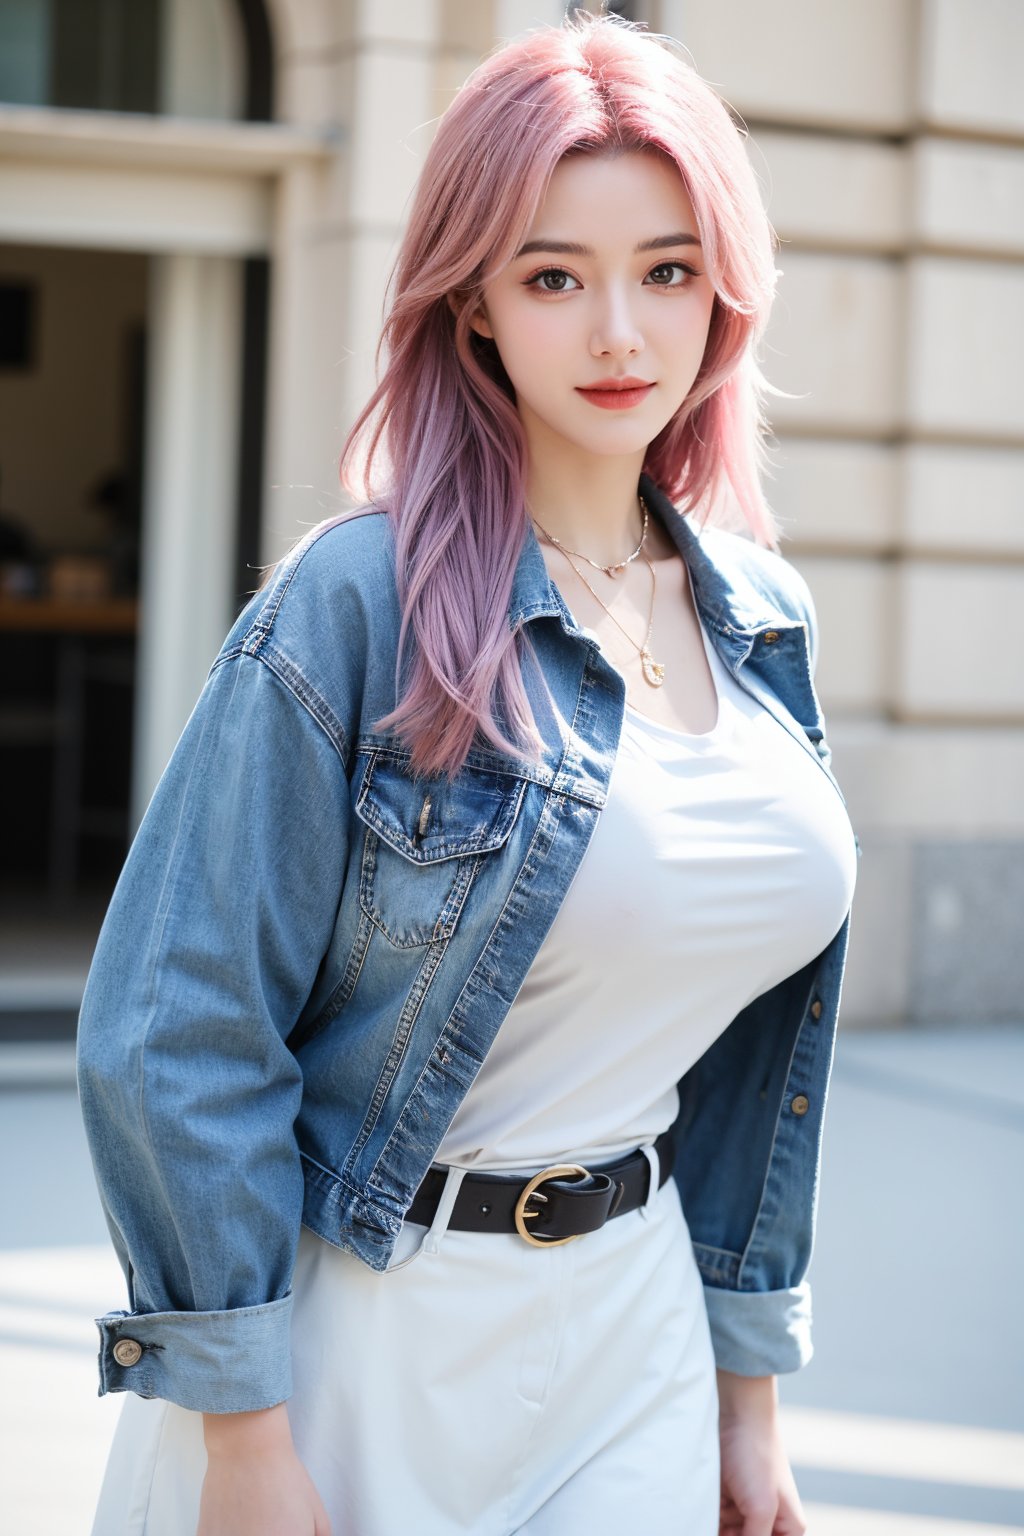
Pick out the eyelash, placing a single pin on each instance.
(534, 280)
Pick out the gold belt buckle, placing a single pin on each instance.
(531, 1191)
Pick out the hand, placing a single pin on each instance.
(759, 1496)
(255, 1484)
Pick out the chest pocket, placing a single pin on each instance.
(425, 841)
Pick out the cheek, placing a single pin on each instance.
(529, 348)
(692, 323)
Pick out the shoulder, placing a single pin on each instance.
(764, 581)
(325, 622)
(757, 572)
(332, 583)
(345, 554)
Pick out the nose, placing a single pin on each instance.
(615, 332)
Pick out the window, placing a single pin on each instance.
(100, 54)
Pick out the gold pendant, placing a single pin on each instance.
(654, 671)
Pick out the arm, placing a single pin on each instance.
(255, 1484)
(189, 1093)
(759, 1496)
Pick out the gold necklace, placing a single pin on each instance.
(654, 671)
(609, 570)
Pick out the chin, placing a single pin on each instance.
(611, 444)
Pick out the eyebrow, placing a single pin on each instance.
(571, 248)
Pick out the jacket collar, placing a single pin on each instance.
(535, 595)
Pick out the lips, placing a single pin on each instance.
(617, 394)
(625, 381)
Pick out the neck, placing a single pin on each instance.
(595, 510)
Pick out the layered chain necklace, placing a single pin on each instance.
(654, 671)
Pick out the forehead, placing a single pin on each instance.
(599, 190)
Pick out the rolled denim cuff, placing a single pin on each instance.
(215, 1362)
(760, 1333)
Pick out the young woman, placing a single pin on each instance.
(455, 1051)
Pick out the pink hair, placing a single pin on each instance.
(444, 412)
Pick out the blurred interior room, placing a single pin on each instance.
(72, 411)
(133, 335)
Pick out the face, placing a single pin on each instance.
(608, 286)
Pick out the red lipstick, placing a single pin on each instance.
(619, 394)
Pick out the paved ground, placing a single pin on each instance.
(908, 1422)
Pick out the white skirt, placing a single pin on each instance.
(480, 1385)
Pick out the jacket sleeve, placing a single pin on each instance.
(189, 1092)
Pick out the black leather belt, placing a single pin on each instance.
(554, 1206)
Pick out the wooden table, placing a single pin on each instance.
(59, 616)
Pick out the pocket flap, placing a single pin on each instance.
(429, 819)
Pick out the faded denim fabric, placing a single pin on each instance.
(309, 954)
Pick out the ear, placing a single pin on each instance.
(479, 322)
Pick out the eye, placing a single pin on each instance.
(559, 279)
(672, 274)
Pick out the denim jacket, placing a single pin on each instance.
(309, 953)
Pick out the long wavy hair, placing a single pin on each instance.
(440, 445)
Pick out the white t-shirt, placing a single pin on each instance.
(721, 864)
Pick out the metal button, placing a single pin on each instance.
(801, 1104)
(127, 1351)
(770, 636)
(816, 1008)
